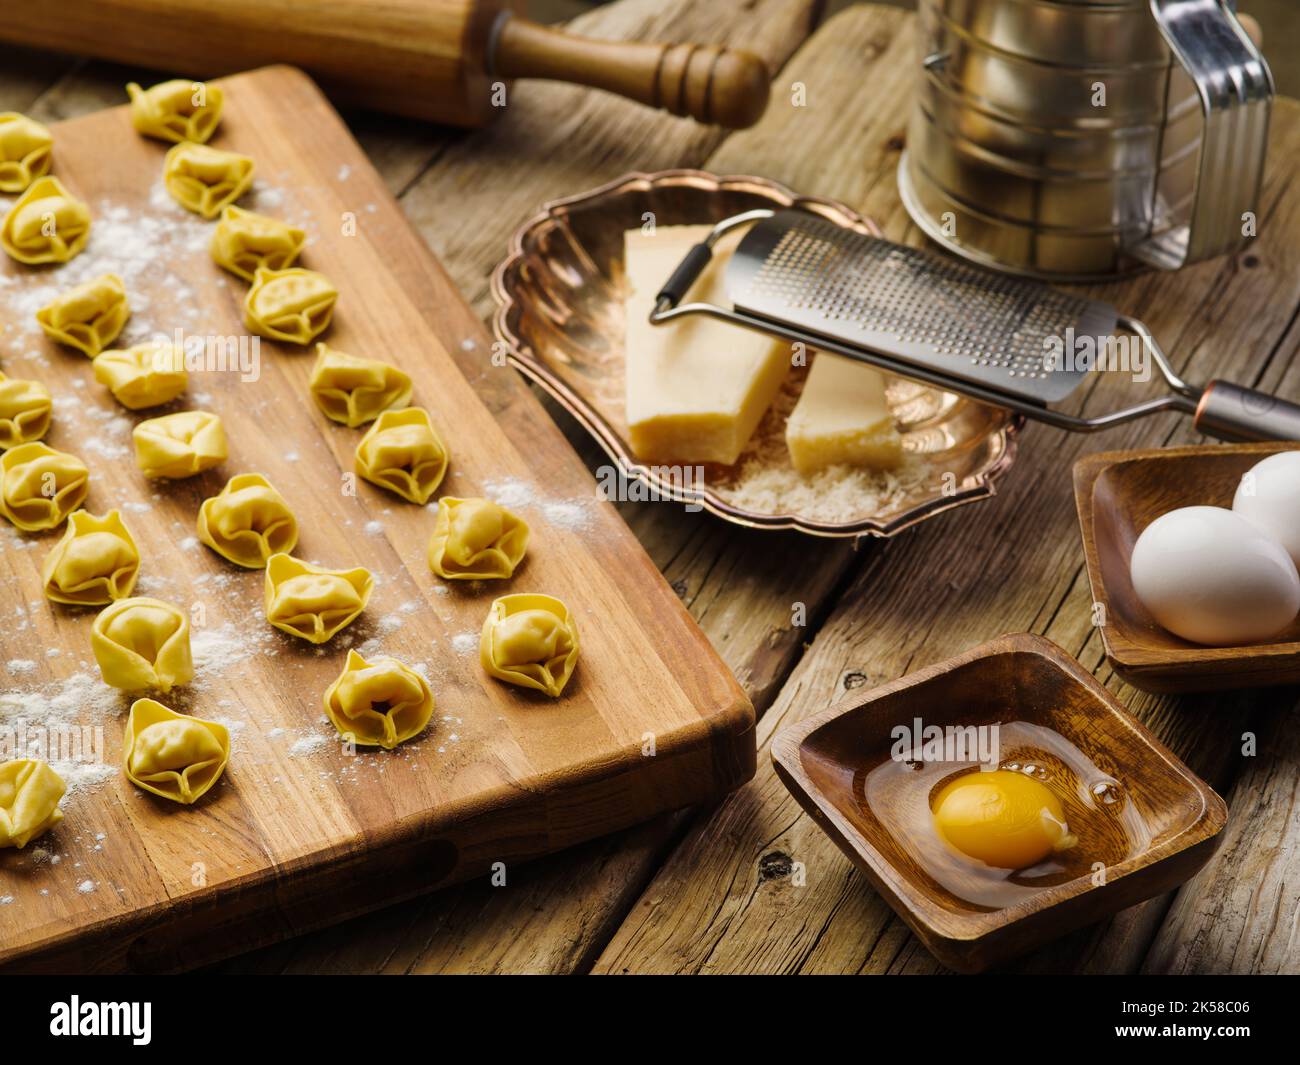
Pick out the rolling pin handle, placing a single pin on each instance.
(716, 85)
(1230, 412)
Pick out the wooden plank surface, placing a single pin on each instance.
(500, 775)
(756, 887)
(729, 899)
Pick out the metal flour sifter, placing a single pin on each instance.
(1005, 341)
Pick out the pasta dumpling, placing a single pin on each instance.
(403, 453)
(29, 801)
(476, 539)
(248, 522)
(354, 391)
(88, 317)
(293, 305)
(142, 643)
(173, 755)
(96, 562)
(380, 703)
(245, 242)
(25, 149)
(203, 179)
(176, 110)
(46, 224)
(530, 640)
(313, 602)
(179, 445)
(25, 411)
(146, 375)
(39, 486)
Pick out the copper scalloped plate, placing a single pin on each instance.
(560, 316)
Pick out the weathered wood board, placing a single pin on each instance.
(301, 833)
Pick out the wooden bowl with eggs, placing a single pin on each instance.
(1119, 495)
(1139, 821)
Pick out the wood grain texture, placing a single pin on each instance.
(741, 586)
(725, 901)
(289, 842)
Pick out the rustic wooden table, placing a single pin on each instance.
(752, 886)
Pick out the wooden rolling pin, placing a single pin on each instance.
(447, 61)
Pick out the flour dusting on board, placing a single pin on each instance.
(516, 494)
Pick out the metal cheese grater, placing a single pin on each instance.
(958, 327)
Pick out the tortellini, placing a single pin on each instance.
(146, 375)
(29, 801)
(88, 317)
(96, 562)
(530, 640)
(25, 149)
(39, 486)
(380, 703)
(403, 453)
(248, 522)
(312, 602)
(476, 539)
(293, 305)
(354, 391)
(173, 755)
(203, 179)
(142, 643)
(25, 411)
(245, 242)
(179, 445)
(47, 224)
(177, 110)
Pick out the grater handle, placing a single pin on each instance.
(687, 273)
(1230, 412)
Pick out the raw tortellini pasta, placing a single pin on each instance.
(173, 755)
(88, 317)
(39, 486)
(25, 411)
(25, 147)
(203, 179)
(146, 375)
(476, 539)
(293, 305)
(248, 522)
(45, 225)
(530, 640)
(380, 703)
(311, 601)
(245, 242)
(179, 445)
(96, 562)
(177, 110)
(403, 453)
(355, 391)
(29, 801)
(142, 643)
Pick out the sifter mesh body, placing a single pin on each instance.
(916, 308)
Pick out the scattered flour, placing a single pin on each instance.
(514, 493)
(465, 642)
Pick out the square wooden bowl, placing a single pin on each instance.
(1118, 494)
(1021, 677)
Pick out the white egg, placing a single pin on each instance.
(1209, 576)
(1269, 498)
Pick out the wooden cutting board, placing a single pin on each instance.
(300, 833)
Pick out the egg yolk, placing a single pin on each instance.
(1003, 818)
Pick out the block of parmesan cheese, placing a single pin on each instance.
(697, 388)
(842, 417)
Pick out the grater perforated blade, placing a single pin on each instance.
(799, 276)
(912, 306)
